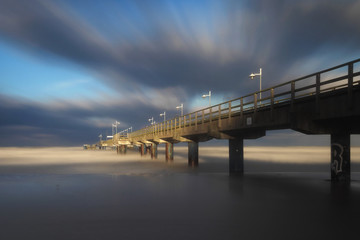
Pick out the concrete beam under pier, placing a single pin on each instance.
(193, 154)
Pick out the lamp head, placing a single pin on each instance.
(252, 76)
(204, 96)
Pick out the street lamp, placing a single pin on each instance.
(112, 128)
(130, 128)
(100, 136)
(116, 123)
(151, 120)
(182, 109)
(163, 114)
(252, 75)
(208, 95)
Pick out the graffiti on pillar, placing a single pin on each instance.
(337, 156)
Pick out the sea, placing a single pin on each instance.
(70, 193)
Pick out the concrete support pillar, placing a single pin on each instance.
(340, 157)
(169, 152)
(154, 151)
(146, 150)
(142, 149)
(125, 148)
(193, 154)
(122, 149)
(236, 156)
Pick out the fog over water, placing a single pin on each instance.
(70, 193)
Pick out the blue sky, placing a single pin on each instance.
(69, 69)
(27, 76)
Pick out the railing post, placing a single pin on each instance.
(241, 107)
(202, 118)
(255, 108)
(255, 102)
(230, 110)
(272, 104)
(317, 101)
(175, 124)
(210, 114)
(350, 85)
(184, 121)
(219, 116)
(292, 95)
(190, 120)
(196, 115)
(171, 127)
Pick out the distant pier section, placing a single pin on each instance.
(325, 102)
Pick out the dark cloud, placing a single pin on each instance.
(161, 45)
(27, 123)
(270, 33)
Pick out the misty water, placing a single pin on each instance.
(69, 193)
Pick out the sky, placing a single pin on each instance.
(70, 69)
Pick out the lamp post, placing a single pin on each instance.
(253, 75)
(208, 95)
(151, 120)
(116, 123)
(163, 114)
(182, 109)
(100, 136)
(112, 129)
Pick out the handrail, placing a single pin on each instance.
(251, 102)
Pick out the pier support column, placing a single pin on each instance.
(193, 154)
(169, 152)
(154, 151)
(236, 156)
(122, 149)
(145, 149)
(340, 157)
(142, 149)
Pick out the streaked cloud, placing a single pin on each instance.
(139, 58)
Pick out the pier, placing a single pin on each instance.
(325, 102)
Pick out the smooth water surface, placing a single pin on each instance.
(108, 196)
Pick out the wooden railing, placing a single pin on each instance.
(341, 76)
